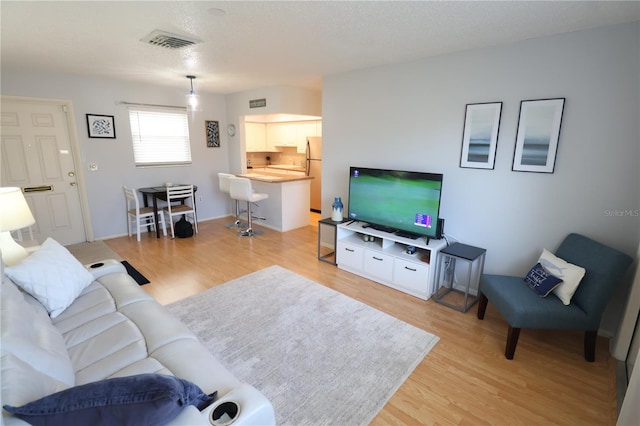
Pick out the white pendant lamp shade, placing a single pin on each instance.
(14, 214)
(193, 100)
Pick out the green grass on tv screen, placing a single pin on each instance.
(394, 201)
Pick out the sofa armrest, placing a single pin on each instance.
(104, 267)
(254, 407)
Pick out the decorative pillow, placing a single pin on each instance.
(144, 399)
(27, 333)
(541, 281)
(51, 275)
(570, 274)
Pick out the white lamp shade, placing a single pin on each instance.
(14, 210)
(193, 102)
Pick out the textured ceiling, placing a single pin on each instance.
(268, 43)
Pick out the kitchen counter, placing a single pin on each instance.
(288, 205)
(272, 177)
(286, 167)
(278, 168)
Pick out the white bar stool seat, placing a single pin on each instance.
(241, 189)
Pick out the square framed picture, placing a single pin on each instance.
(101, 126)
(480, 136)
(538, 133)
(213, 134)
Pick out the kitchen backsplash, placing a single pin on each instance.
(288, 156)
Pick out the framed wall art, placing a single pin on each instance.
(538, 133)
(480, 135)
(213, 134)
(101, 126)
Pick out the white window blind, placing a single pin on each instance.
(160, 136)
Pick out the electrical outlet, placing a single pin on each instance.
(200, 198)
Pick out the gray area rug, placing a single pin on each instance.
(321, 357)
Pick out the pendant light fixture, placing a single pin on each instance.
(193, 100)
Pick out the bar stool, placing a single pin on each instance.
(223, 180)
(241, 189)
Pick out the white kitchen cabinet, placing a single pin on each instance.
(281, 134)
(304, 129)
(255, 137)
(291, 133)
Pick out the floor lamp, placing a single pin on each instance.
(14, 214)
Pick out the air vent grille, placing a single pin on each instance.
(169, 40)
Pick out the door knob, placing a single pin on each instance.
(72, 183)
(71, 174)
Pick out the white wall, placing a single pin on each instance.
(410, 116)
(115, 157)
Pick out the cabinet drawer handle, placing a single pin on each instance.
(411, 269)
(377, 258)
(348, 249)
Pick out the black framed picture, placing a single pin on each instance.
(480, 135)
(101, 126)
(213, 134)
(538, 133)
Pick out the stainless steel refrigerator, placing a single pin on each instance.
(314, 169)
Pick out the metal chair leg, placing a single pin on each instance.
(250, 232)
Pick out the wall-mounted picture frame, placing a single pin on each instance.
(480, 135)
(101, 126)
(213, 134)
(538, 134)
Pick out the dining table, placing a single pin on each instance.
(155, 193)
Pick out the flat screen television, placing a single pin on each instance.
(404, 202)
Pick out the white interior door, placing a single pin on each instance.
(37, 156)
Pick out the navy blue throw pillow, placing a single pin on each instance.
(145, 399)
(541, 280)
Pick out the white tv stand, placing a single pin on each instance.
(385, 260)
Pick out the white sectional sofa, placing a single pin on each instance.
(112, 329)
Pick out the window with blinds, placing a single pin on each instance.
(160, 136)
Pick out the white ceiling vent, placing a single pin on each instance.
(169, 40)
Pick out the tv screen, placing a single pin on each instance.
(395, 200)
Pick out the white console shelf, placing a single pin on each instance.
(385, 260)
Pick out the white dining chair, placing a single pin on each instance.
(241, 189)
(187, 206)
(141, 216)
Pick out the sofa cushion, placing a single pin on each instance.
(21, 383)
(570, 274)
(145, 399)
(531, 311)
(541, 281)
(52, 275)
(28, 334)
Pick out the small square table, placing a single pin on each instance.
(458, 275)
(329, 257)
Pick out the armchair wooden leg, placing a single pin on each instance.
(482, 305)
(512, 341)
(590, 337)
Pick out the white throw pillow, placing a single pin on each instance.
(51, 275)
(570, 274)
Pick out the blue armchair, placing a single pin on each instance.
(523, 308)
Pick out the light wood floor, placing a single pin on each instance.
(465, 379)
